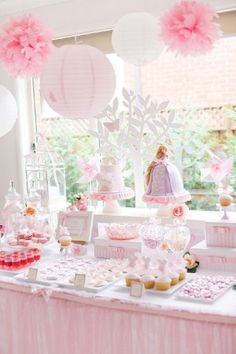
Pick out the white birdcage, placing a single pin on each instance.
(46, 171)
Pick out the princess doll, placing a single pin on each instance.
(163, 179)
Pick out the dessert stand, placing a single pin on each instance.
(225, 215)
(110, 200)
(165, 202)
(225, 210)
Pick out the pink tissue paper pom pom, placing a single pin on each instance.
(25, 44)
(189, 28)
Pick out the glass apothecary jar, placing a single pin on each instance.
(46, 171)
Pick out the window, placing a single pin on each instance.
(200, 90)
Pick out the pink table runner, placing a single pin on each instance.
(41, 321)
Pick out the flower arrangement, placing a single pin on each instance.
(2, 230)
(188, 28)
(191, 262)
(81, 202)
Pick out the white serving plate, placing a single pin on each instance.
(20, 270)
(170, 291)
(38, 280)
(66, 284)
(14, 272)
(194, 299)
(7, 247)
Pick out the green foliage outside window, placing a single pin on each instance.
(191, 145)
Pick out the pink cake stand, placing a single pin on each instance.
(165, 201)
(110, 200)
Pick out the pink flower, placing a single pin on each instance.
(25, 45)
(190, 260)
(2, 228)
(81, 203)
(178, 211)
(164, 246)
(189, 28)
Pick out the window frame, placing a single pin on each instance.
(227, 20)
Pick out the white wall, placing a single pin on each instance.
(8, 147)
(79, 16)
(65, 18)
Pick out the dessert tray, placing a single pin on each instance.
(206, 288)
(14, 262)
(91, 284)
(26, 240)
(170, 291)
(99, 274)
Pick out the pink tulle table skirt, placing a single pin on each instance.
(42, 321)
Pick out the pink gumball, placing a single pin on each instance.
(77, 81)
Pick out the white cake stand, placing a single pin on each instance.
(110, 200)
(225, 210)
(166, 201)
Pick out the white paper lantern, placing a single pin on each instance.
(77, 81)
(8, 111)
(135, 38)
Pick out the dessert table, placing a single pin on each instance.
(46, 320)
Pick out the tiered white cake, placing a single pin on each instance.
(218, 251)
(110, 178)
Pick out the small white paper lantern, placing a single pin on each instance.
(135, 38)
(8, 111)
(77, 81)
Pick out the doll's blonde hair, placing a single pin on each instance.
(161, 153)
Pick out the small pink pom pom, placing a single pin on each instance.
(189, 28)
(24, 46)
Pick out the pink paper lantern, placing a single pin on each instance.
(78, 81)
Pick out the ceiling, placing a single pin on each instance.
(8, 7)
(46, 9)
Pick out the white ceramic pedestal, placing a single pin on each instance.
(225, 215)
(166, 202)
(111, 205)
(164, 210)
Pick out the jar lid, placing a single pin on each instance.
(12, 194)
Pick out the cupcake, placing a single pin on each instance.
(148, 281)
(182, 274)
(131, 277)
(225, 200)
(65, 241)
(162, 283)
(174, 276)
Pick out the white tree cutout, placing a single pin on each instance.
(132, 128)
